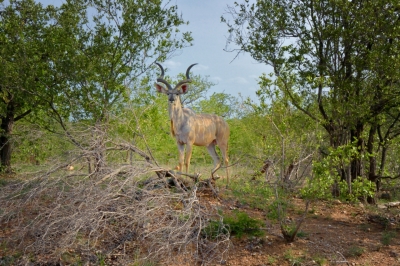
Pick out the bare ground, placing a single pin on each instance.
(333, 233)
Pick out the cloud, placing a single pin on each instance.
(172, 64)
(201, 67)
(239, 80)
(251, 88)
(181, 67)
(216, 80)
(256, 77)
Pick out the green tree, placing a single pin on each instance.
(337, 61)
(115, 45)
(74, 63)
(22, 30)
(275, 131)
(221, 104)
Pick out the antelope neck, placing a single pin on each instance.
(176, 112)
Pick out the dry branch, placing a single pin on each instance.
(119, 214)
(129, 147)
(389, 205)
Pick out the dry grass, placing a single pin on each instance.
(122, 216)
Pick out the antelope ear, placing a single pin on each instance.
(159, 88)
(184, 88)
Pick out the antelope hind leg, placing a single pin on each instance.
(224, 152)
(214, 155)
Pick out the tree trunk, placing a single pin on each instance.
(356, 163)
(7, 123)
(382, 166)
(99, 146)
(338, 137)
(372, 176)
(383, 159)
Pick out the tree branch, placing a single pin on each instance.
(22, 115)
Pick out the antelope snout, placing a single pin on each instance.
(171, 98)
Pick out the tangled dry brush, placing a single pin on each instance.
(122, 216)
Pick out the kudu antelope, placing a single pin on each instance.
(190, 128)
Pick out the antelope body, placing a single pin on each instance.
(190, 129)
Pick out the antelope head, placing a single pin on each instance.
(180, 88)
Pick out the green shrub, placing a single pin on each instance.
(294, 260)
(253, 193)
(325, 176)
(239, 224)
(215, 229)
(355, 251)
(3, 182)
(387, 237)
(301, 234)
(273, 209)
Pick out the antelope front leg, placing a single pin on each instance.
(189, 148)
(181, 149)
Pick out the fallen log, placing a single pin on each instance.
(389, 205)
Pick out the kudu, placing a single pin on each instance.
(190, 128)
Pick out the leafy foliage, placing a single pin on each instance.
(387, 237)
(252, 193)
(329, 64)
(240, 223)
(355, 251)
(73, 63)
(326, 175)
(215, 229)
(277, 209)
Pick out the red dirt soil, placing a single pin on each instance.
(333, 233)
